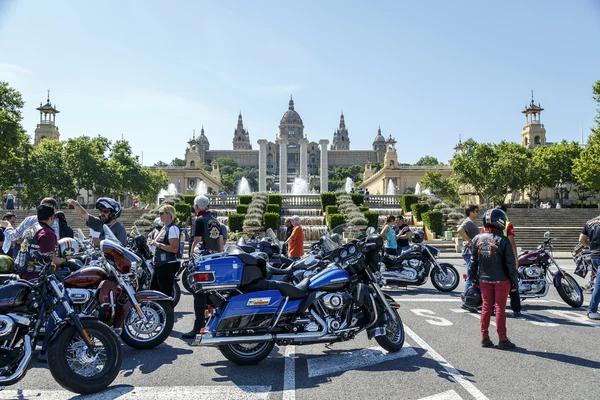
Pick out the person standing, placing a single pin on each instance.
(10, 202)
(166, 244)
(110, 211)
(493, 270)
(15, 234)
(402, 234)
(468, 230)
(207, 232)
(515, 296)
(11, 249)
(389, 236)
(288, 232)
(296, 240)
(590, 237)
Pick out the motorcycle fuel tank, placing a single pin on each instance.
(13, 294)
(332, 278)
(528, 258)
(85, 278)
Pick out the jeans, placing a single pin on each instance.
(593, 307)
(467, 258)
(494, 294)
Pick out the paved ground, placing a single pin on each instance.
(442, 359)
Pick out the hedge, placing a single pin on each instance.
(274, 208)
(332, 210)
(189, 199)
(328, 199)
(407, 201)
(275, 199)
(241, 208)
(334, 220)
(235, 222)
(245, 198)
(586, 204)
(358, 198)
(373, 218)
(271, 220)
(418, 209)
(434, 220)
(184, 209)
(363, 208)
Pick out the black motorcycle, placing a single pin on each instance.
(84, 355)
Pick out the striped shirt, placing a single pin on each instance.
(11, 234)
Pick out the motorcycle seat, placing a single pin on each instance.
(285, 261)
(247, 248)
(286, 289)
(248, 259)
(279, 271)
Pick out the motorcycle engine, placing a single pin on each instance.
(531, 279)
(334, 305)
(532, 272)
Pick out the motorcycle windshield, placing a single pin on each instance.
(271, 235)
(109, 235)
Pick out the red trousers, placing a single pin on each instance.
(495, 293)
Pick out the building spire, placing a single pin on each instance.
(291, 104)
(202, 131)
(194, 134)
(48, 101)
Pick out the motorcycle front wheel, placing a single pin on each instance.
(75, 368)
(570, 291)
(446, 283)
(393, 340)
(142, 335)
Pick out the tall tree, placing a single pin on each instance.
(444, 188)
(472, 167)
(427, 161)
(177, 162)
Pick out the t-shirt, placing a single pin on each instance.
(591, 229)
(117, 229)
(472, 230)
(296, 243)
(46, 240)
(401, 242)
(214, 231)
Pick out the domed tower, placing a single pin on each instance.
(291, 127)
(340, 137)
(47, 128)
(241, 137)
(534, 133)
(379, 142)
(391, 157)
(204, 145)
(192, 153)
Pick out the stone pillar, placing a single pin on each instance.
(262, 165)
(303, 159)
(283, 165)
(324, 168)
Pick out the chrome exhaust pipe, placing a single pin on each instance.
(305, 335)
(20, 371)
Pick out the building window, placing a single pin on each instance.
(192, 164)
(537, 140)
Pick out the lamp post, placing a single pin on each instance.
(18, 188)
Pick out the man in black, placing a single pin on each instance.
(207, 233)
(402, 234)
(110, 211)
(288, 232)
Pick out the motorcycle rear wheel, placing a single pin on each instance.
(570, 291)
(247, 353)
(176, 293)
(184, 280)
(393, 340)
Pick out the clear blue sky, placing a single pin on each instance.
(423, 70)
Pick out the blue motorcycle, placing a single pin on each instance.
(249, 314)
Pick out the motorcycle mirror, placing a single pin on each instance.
(519, 249)
(370, 230)
(546, 234)
(80, 234)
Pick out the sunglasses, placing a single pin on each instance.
(105, 211)
(162, 213)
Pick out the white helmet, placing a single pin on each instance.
(202, 202)
(158, 223)
(68, 247)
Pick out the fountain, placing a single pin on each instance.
(162, 193)
(391, 189)
(349, 185)
(300, 186)
(243, 187)
(201, 189)
(418, 188)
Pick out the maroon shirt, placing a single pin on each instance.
(46, 239)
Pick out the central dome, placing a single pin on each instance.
(291, 117)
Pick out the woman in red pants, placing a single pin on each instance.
(493, 270)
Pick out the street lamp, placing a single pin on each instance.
(18, 188)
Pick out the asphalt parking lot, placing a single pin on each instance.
(442, 359)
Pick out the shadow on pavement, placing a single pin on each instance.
(564, 358)
(148, 361)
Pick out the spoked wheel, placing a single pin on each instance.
(393, 340)
(247, 353)
(445, 282)
(157, 327)
(570, 291)
(78, 369)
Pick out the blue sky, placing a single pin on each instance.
(425, 71)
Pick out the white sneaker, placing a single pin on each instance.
(594, 315)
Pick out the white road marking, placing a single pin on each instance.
(474, 315)
(539, 321)
(431, 317)
(289, 374)
(449, 395)
(149, 393)
(327, 365)
(469, 387)
(452, 300)
(575, 317)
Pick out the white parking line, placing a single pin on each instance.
(575, 317)
(449, 395)
(289, 374)
(469, 387)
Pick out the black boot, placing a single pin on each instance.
(192, 334)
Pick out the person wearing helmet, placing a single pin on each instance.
(493, 270)
(110, 211)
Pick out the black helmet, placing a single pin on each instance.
(472, 297)
(110, 204)
(494, 217)
(417, 236)
(7, 265)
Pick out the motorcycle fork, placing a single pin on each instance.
(380, 295)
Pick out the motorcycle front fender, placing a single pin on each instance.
(557, 279)
(64, 324)
(444, 267)
(391, 301)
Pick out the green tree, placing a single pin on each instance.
(14, 142)
(177, 162)
(427, 160)
(507, 173)
(472, 166)
(444, 188)
(160, 164)
(86, 162)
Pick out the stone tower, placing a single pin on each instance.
(241, 137)
(204, 145)
(534, 133)
(340, 137)
(379, 141)
(390, 160)
(47, 128)
(192, 153)
(291, 127)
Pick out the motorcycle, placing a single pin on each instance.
(535, 276)
(143, 319)
(415, 265)
(269, 245)
(84, 355)
(250, 314)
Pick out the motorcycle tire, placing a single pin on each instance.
(145, 344)
(185, 282)
(393, 340)
(435, 272)
(176, 293)
(241, 355)
(575, 303)
(62, 346)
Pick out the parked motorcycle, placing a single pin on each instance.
(84, 355)
(144, 319)
(535, 276)
(269, 244)
(333, 305)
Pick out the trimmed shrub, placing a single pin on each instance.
(189, 199)
(418, 209)
(434, 220)
(183, 208)
(241, 208)
(358, 198)
(274, 208)
(235, 222)
(363, 208)
(271, 220)
(334, 220)
(245, 198)
(332, 210)
(372, 218)
(327, 199)
(275, 199)
(407, 201)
